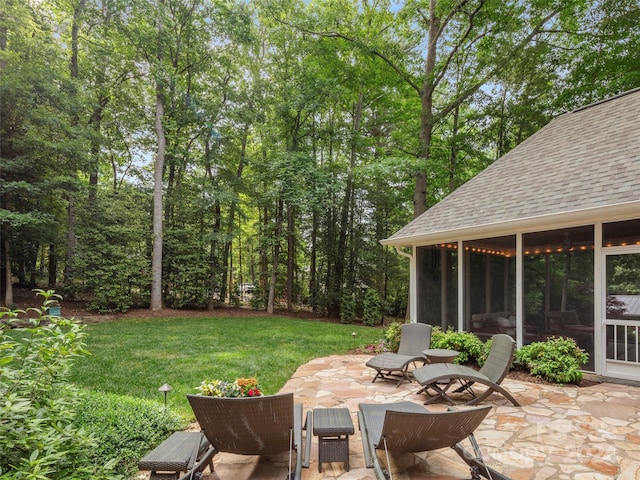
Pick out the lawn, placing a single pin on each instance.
(136, 356)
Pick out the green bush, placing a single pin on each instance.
(373, 309)
(557, 360)
(258, 299)
(469, 345)
(392, 336)
(38, 436)
(347, 308)
(125, 428)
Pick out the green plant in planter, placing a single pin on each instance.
(241, 387)
(558, 360)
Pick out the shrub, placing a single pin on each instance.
(38, 435)
(347, 308)
(258, 299)
(557, 360)
(125, 428)
(469, 345)
(392, 336)
(373, 309)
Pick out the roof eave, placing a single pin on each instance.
(573, 218)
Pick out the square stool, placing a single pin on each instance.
(332, 426)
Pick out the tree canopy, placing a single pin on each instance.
(163, 153)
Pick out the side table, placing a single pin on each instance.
(332, 426)
(440, 355)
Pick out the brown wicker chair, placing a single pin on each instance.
(405, 427)
(414, 338)
(254, 426)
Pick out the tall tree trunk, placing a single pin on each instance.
(264, 259)
(53, 266)
(69, 270)
(453, 158)
(276, 257)
(156, 256)
(213, 256)
(290, 256)
(8, 286)
(156, 259)
(233, 208)
(314, 287)
(213, 284)
(426, 117)
(341, 252)
(69, 266)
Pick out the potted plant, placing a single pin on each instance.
(240, 387)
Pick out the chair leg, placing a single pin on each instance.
(476, 462)
(489, 391)
(440, 393)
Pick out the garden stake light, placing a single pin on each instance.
(166, 388)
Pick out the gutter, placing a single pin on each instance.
(402, 253)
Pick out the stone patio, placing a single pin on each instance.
(581, 433)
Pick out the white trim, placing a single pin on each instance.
(612, 368)
(599, 305)
(413, 287)
(461, 286)
(519, 292)
(575, 218)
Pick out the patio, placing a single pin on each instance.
(558, 433)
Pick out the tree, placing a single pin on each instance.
(36, 138)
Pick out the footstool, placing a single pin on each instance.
(332, 426)
(176, 454)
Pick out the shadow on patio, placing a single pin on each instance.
(559, 432)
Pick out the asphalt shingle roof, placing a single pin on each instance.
(584, 159)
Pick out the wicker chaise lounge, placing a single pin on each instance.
(254, 426)
(414, 338)
(405, 427)
(440, 377)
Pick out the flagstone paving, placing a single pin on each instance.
(559, 432)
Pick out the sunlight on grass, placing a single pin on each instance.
(136, 356)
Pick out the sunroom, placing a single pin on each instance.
(546, 241)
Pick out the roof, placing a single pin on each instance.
(579, 165)
(631, 304)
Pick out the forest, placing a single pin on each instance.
(163, 152)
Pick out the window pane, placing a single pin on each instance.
(558, 286)
(490, 267)
(618, 234)
(437, 273)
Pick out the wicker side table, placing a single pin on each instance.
(332, 426)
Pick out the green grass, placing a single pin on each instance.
(136, 356)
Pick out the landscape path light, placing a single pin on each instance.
(166, 388)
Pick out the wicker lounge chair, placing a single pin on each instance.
(254, 426)
(405, 427)
(440, 377)
(414, 338)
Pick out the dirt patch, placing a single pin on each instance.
(25, 298)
